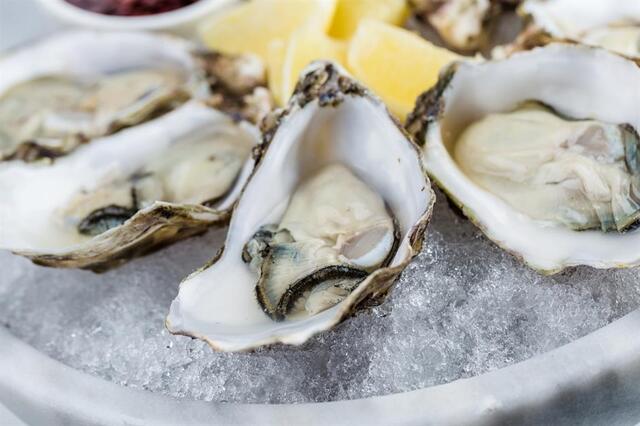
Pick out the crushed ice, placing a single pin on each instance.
(462, 308)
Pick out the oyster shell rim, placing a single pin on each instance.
(120, 246)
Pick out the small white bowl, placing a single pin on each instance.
(182, 21)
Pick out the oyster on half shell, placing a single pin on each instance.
(611, 24)
(63, 92)
(337, 206)
(129, 193)
(556, 181)
(463, 25)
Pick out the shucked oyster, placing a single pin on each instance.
(63, 92)
(584, 174)
(335, 231)
(335, 209)
(463, 25)
(197, 169)
(49, 116)
(556, 184)
(612, 24)
(129, 193)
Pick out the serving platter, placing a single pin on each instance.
(591, 380)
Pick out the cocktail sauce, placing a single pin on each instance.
(130, 7)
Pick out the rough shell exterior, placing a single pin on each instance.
(147, 231)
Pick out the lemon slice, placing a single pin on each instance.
(275, 66)
(349, 13)
(304, 47)
(250, 27)
(396, 64)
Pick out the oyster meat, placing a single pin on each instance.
(584, 174)
(129, 193)
(336, 208)
(540, 151)
(198, 169)
(51, 115)
(335, 231)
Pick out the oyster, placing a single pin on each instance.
(62, 93)
(612, 24)
(584, 174)
(555, 181)
(129, 193)
(336, 207)
(463, 25)
(50, 116)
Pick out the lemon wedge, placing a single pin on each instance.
(301, 49)
(250, 27)
(275, 65)
(396, 64)
(349, 13)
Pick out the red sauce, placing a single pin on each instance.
(130, 7)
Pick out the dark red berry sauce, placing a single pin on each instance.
(130, 7)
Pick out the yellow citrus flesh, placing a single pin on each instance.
(304, 47)
(349, 13)
(275, 65)
(395, 63)
(250, 27)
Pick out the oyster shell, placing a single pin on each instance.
(312, 237)
(612, 24)
(62, 92)
(463, 25)
(129, 193)
(530, 177)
